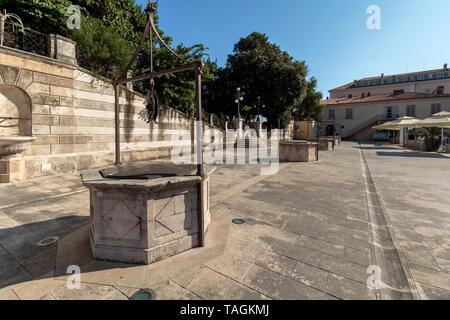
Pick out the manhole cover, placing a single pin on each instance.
(238, 221)
(146, 294)
(47, 241)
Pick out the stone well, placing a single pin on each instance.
(144, 219)
(326, 144)
(338, 139)
(298, 151)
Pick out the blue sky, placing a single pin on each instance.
(331, 36)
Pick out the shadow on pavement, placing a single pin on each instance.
(411, 154)
(23, 258)
(377, 148)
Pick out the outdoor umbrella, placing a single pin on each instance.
(437, 120)
(398, 124)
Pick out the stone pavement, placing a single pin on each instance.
(415, 189)
(311, 232)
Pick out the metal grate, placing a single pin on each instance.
(144, 294)
(28, 40)
(238, 221)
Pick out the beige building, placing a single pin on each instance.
(353, 109)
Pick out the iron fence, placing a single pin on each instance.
(219, 123)
(26, 40)
(213, 120)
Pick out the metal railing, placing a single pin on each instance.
(373, 120)
(219, 123)
(365, 124)
(27, 40)
(213, 120)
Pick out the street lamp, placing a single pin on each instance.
(239, 99)
(259, 104)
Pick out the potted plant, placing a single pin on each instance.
(431, 142)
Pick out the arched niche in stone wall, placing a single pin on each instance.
(14, 103)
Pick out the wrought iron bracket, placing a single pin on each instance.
(196, 66)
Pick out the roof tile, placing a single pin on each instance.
(383, 97)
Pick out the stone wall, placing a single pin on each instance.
(72, 117)
(288, 132)
(304, 130)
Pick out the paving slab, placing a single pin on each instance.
(414, 189)
(306, 234)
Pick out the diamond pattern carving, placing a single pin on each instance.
(120, 221)
(172, 214)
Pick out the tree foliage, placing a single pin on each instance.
(46, 16)
(102, 50)
(262, 69)
(310, 108)
(110, 32)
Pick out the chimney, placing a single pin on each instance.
(382, 75)
(445, 67)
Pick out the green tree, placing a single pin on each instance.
(262, 69)
(310, 108)
(122, 16)
(50, 16)
(110, 32)
(46, 16)
(101, 50)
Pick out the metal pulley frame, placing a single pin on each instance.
(152, 101)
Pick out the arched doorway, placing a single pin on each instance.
(15, 112)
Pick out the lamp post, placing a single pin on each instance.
(239, 99)
(259, 104)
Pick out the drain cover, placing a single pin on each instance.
(143, 295)
(47, 241)
(238, 221)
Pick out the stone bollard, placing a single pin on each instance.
(258, 127)
(238, 126)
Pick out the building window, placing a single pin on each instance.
(391, 112)
(368, 94)
(435, 108)
(331, 114)
(349, 113)
(411, 111)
